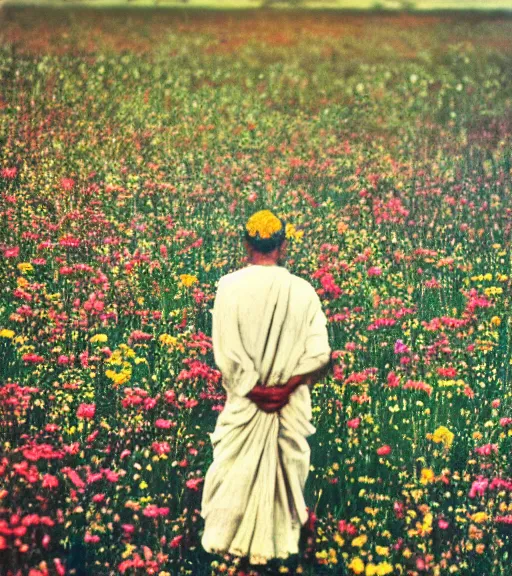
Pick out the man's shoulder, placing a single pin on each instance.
(231, 279)
(303, 284)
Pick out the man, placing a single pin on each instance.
(270, 343)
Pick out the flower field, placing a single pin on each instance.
(134, 145)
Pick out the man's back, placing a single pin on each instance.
(272, 310)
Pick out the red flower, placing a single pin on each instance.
(32, 358)
(193, 483)
(50, 481)
(12, 252)
(384, 450)
(67, 183)
(86, 411)
(9, 172)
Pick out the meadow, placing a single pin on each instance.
(133, 147)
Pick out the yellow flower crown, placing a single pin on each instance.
(263, 223)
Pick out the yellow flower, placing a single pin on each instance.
(443, 435)
(479, 517)
(371, 570)
(292, 232)
(382, 550)
(339, 540)
(24, 267)
(188, 279)
(495, 320)
(118, 378)
(99, 338)
(5, 333)
(493, 291)
(129, 549)
(263, 223)
(427, 475)
(384, 568)
(168, 340)
(357, 566)
(360, 541)
(427, 523)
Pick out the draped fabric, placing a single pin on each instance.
(267, 326)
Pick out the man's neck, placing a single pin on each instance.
(263, 261)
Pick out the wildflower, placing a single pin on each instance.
(427, 475)
(356, 565)
(292, 232)
(193, 483)
(5, 333)
(188, 279)
(360, 540)
(9, 173)
(86, 411)
(99, 338)
(24, 267)
(479, 517)
(444, 436)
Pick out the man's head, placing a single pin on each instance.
(265, 238)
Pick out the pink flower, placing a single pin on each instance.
(442, 523)
(50, 481)
(398, 509)
(384, 450)
(374, 271)
(392, 380)
(400, 347)
(487, 449)
(86, 411)
(193, 483)
(59, 567)
(12, 252)
(175, 542)
(161, 447)
(347, 527)
(74, 477)
(153, 511)
(164, 424)
(354, 423)
(91, 538)
(9, 173)
(478, 487)
(67, 183)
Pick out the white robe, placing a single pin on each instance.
(268, 325)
